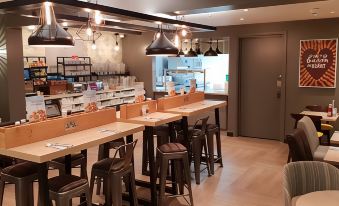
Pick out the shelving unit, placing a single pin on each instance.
(167, 72)
(37, 70)
(75, 68)
(106, 98)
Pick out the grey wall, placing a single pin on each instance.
(296, 98)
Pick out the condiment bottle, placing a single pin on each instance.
(330, 110)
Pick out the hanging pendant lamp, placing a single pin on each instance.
(211, 52)
(49, 32)
(191, 52)
(197, 48)
(217, 49)
(181, 52)
(161, 46)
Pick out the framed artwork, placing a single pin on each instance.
(318, 63)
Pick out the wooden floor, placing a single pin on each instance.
(251, 176)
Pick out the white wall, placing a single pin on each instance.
(104, 58)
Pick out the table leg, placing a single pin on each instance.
(153, 175)
(172, 139)
(83, 170)
(217, 118)
(68, 164)
(184, 124)
(43, 185)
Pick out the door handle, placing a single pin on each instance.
(279, 85)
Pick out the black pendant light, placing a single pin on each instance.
(217, 49)
(191, 52)
(181, 52)
(197, 48)
(211, 52)
(161, 46)
(49, 32)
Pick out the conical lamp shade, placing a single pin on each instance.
(50, 33)
(218, 51)
(162, 46)
(191, 53)
(211, 52)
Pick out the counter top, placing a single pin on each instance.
(208, 92)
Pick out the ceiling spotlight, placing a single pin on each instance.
(64, 24)
(245, 10)
(177, 12)
(315, 11)
(242, 19)
(332, 12)
(87, 10)
(121, 36)
(158, 22)
(97, 17)
(184, 32)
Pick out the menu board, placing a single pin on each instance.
(139, 93)
(193, 85)
(35, 108)
(318, 62)
(90, 101)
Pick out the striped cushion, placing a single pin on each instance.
(300, 178)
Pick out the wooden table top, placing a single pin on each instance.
(38, 152)
(154, 119)
(327, 197)
(335, 138)
(332, 155)
(322, 114)
(197, 108)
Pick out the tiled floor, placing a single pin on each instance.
(251, 176)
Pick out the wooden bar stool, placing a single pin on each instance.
(65, 187)
(22, 175)
(178, 153)
(112, 170)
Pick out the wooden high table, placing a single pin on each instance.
(82, 140)
(131, 114)
(196, 108)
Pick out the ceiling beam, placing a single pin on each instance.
(29, 4)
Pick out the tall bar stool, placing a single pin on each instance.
(76, 161)
(163, 137)
(104, 153)
(22, 175)
(198, 142)
(65, 187)
(211, 131)
(112, 170)
(178, 153)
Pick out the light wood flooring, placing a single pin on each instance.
(251, 176)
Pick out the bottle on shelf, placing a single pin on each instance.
(330, 110)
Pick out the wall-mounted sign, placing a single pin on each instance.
(318, 63)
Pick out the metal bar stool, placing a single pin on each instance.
(163, 137)
(213, 129)
(65, 187)
(112, 170)
(76, 159)
(104, 153)
(178, 153)
(22, 175)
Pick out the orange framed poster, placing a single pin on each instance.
(318, 63)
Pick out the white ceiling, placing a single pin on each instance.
(289, 12)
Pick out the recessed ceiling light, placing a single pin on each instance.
(158, 22)
(87, 10)
(177, 12)
(332, 12)
(121, 35)
(315, 11)
(242, 19)
(245, 10)
(31, 27)
(65, 24)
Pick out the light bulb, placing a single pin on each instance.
(89, 31)
(64, 24)
(48, 12)
(97, 17)
(158, 35)
(94, 46)
(183, 32)
(121, 35)
(186, 51)
(176, 40)
(116, 48)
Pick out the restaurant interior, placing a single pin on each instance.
(218, 102)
